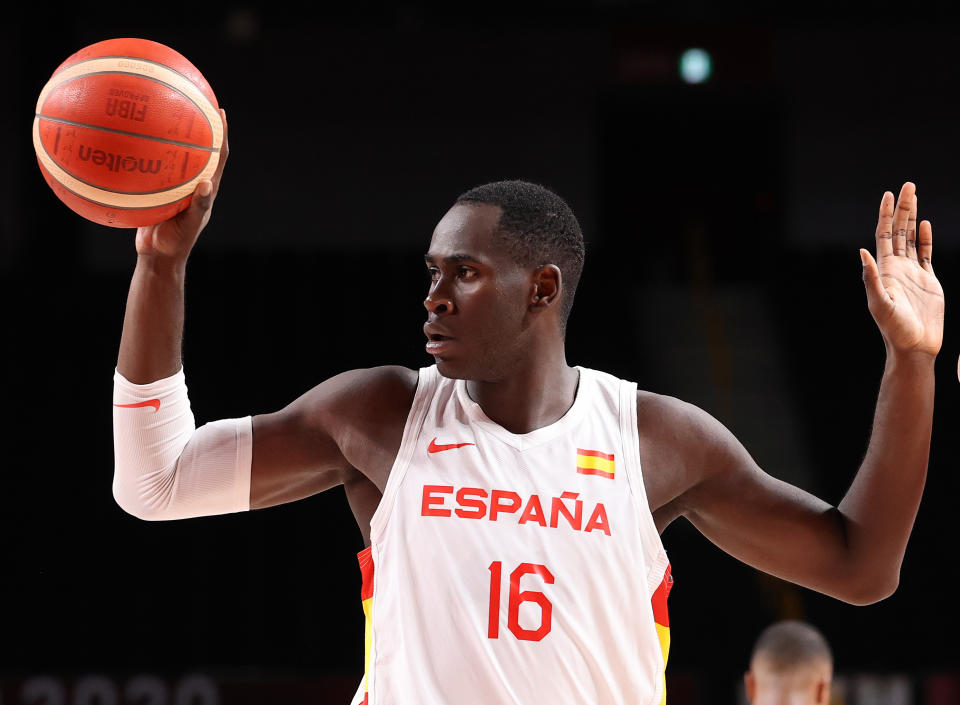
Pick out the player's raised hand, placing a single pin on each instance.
(903, 294)
(175, 237)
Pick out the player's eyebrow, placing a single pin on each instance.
(456, 257)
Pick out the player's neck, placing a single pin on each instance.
(531, 397)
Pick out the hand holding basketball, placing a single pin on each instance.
(903, 294)
(176, 237)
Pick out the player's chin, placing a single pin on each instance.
(450, 368)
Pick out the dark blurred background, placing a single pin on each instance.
(722, 217)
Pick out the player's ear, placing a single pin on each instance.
(547, 282)
(750, 685)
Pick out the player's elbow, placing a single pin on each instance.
(135, 509)
(871, 589)
(134, 503)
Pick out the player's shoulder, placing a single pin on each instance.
(382, 377)
(698, 434)
(385, 388)
(658, 409)
(680, 426)
(667, 415)
(681, 445)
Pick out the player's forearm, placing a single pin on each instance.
(166, 468)
(880, 507)
(150, 345)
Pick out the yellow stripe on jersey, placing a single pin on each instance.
(366, 597)
(661, 618)
(368, 641)
(663, 633)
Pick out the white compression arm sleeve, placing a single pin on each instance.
(165, 468)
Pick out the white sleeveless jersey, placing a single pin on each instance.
(515, 569)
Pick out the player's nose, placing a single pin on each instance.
(437, 304)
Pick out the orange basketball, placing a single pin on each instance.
(124, 131)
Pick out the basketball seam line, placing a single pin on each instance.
(115, 131)
(124, 193)
(133, 58)
(155, 79)
(120, 208)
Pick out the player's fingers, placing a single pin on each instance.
(144, 238)
(900, 218)
(925, 245)
(911, 241)
(203, 197)
(224, 153)
(885, 227)
(191, 221)
(876, 294)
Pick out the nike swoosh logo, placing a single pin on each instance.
(155, 403)
(434, 447)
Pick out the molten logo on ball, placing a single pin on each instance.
(116, 162)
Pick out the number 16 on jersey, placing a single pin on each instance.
(516, 598)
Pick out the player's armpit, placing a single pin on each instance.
(351, 422)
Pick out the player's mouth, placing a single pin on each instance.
(438, 341)
(438, 344)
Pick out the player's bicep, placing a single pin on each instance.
(351, 422)
(293, 457)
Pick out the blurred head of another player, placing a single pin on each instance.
(791, 665)
(504, 264)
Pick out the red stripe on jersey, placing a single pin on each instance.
(660, 614)
(593, 471)
(595, 454)
(366, 572)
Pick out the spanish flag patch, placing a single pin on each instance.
(593, 462)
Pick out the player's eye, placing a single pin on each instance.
(467, 272)
(433, 273)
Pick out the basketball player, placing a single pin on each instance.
(512, 531)
(791, 664)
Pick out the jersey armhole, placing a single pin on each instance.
(426, 382)
(655, 555)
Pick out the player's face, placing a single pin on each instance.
(478, 298)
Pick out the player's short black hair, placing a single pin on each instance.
(791, 644)
(538, 227)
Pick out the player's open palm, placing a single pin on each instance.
(176, 237)
(903, 294)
